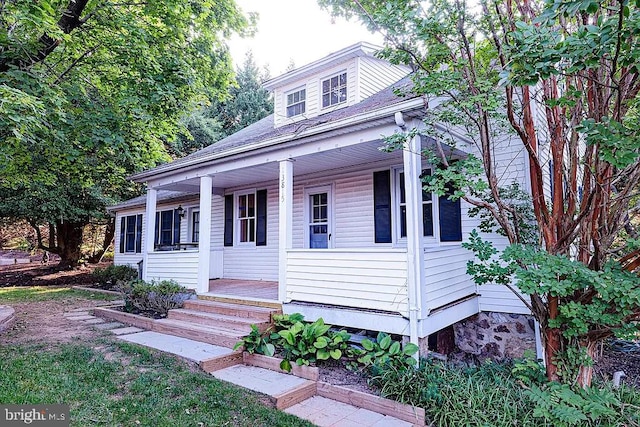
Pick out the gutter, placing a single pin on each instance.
(385, 112)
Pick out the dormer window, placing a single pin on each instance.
(334, 90)
(296, 102)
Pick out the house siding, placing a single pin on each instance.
(446, 276)
(249, 262)
(128, 258)
(376, 75)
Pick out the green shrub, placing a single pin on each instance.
(305, 343)
(384, 350)
(562, 405)
(256, 342)
(114, 276)
(155, 297)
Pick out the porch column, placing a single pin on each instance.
(204, 230)
(285, 226)
(412, 160)
(150, 229)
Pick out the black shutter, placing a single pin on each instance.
(450, 218)
(228, 220)
(176, 227)
(261, 218)
(382, 206)
(157, 229)
(139, 233)
(122, 233)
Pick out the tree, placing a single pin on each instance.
(246, 103)
(91, 91)
(561, 77)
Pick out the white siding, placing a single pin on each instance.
(375, 75)
(127, 258)
(446, 276)
(181, 266)
(250, 262)
(360, 278)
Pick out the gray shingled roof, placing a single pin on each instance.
(263, 130)
(162, 196)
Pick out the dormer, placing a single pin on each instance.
(336, 81)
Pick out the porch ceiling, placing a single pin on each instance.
(340, 158)
(336, 159)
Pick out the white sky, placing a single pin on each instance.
(295, 29)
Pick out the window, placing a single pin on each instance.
(247, 218)
(195, 226)
(427, 207)
(296, 103)
(167, 228)
(131, 234)
(441, 214)
(334, 90)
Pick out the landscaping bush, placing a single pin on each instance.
(156, 298)
(495, 394)
(114, 276)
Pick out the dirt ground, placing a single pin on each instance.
(38, 274)
(43, 322)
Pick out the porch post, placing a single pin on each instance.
(285, 226)
(204, 230)
(412, 160)
(150, 229)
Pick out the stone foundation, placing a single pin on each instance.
(496, 336)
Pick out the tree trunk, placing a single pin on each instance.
(69, 240)
(109, 233)
(585, 373)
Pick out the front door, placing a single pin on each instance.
(319, 217)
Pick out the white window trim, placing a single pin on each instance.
(308, 191)
(395, 213)
(286, 105)
(236, 218)
(320, 92)
(190, 225)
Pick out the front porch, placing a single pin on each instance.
(249, 290)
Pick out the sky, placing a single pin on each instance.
(295, 30)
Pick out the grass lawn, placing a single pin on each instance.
(107, 382)
(46, 293)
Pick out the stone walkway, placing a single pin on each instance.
(320, 411)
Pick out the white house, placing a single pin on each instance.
(305, 201)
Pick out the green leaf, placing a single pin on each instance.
(367, 344)
(285, 365)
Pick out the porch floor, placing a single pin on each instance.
(244, 289)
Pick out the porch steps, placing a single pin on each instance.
(254, 302)
(207, 334)
(213, 322)
(244, 310)
(235, 323)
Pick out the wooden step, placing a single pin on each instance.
(257, 302)
(222, 337)
(227, 309)
(220, 321)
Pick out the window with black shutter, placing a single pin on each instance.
(131, 234)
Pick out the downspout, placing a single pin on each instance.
(412, 161)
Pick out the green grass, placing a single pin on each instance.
(46, 293)
(119, 384)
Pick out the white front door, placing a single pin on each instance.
(319, 217)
